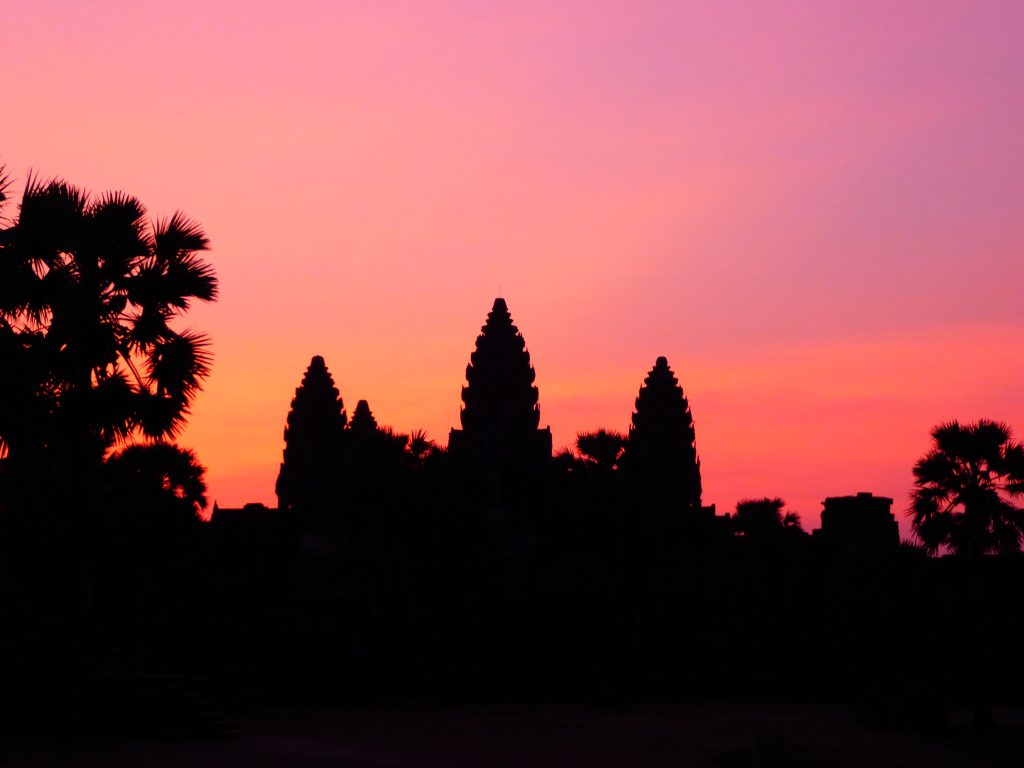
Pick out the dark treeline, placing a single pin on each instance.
(395, 567)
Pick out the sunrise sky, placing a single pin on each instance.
(814, 210)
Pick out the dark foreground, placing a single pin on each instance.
(711, 735)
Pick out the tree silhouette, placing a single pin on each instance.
(89, 289)
(964, 487)
(761, 518)
(566, 461)
(159, 475)
(661, 451)
(313, 439)
(602, 448)
(420, 447)
(963, 495)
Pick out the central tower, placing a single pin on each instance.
(500, 417)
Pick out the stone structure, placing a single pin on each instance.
(861, 523)
(313, 440)
(363, 421)
(500, 417)
(661, 453)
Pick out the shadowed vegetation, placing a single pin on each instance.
(965, 488)
(90, 292)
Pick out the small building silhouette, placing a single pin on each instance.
(861, 523)
(253, 513)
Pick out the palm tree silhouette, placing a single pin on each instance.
(963, 495)
(420, 446)
(602, 448)
(90, 289)
(964, 487)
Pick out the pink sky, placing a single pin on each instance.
(814, 210)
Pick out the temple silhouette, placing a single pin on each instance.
(500, 414)
(331, 462)
(500, 442)
(661, 454)
(313, 439)
(860, 523)
(394, 568)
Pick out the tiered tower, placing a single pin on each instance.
(662, 449)
(313, 440)
(500, 417)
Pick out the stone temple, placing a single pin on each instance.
(500, 416)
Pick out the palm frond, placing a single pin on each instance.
(5, 184)
(177, 237)
(50, 220)
(188, 277)
(178, 364)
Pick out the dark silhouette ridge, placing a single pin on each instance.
(314, 440)
(500, 416)
(661, 452)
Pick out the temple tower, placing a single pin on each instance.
(500, 417)
(313, 440)
(661, 453)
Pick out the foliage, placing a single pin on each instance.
(159, 476)
(763, 517)
(965, 488)
(89, 291)
(602, 448)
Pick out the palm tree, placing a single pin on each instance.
(420, 446)
(601, 449)
(89, 292)
(965, 487)
(963, 500)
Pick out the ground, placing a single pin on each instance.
(683, 735)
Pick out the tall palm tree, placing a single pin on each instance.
(965, 488)
(89, 292)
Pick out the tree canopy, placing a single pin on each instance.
(965, 488)
(90, 289)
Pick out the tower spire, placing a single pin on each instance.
(662, 448)
(500, 414)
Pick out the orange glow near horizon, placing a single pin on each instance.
(813, 211)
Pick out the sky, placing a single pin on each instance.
(814, 210)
